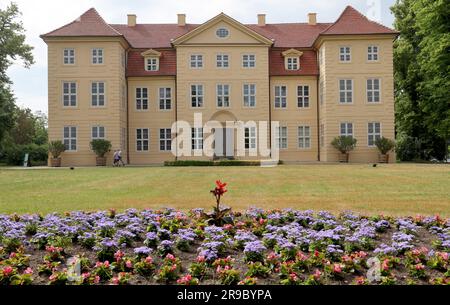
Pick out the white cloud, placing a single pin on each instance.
(45, 15)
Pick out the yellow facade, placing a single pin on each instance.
(310, 128)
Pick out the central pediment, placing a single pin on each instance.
(222, 30)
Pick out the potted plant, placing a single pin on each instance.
(56, 148)
(100, 147)
(344, 144)
(384, 145)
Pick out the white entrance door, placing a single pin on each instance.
(224, 142)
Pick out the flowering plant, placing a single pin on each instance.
(145, 266)
(121, 279)
(257, 269)
(187, 280)
(103, 270)
(227, 275)
(248, 281)
(199, 267)
(218, 216)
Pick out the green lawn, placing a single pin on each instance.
(398, 189)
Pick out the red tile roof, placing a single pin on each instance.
(136, 65)
(88, 24)
(352, 22)
(308, 63)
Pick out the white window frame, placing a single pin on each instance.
(373, 135)
(196, 61)
(346, 129)
(304, 136)
(281, 137)
(197, 138)
(345, 54)
(292, 63)
(371, 92)
(248, 61)
(373, 53)
(280, 100)
(303, 97)
(165, 98)
(141, 100)
(98, 94)
(151, 64)
(222, 61)
(345, 91)
(142, 140)
(197, 97)
(69, 56)
(250, 138)
(249, 95)
(97, 56)
(223, 95)
(70, 146)
(165, 139)
(98, 129)
(72, 94)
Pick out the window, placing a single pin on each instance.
(141, 98)
(70, 138)
(345, 91)
(222, 33)
(222, 61)
(97, 56)
(344, 54)
(98, 132)
(70, 94)
(250, 137)
(346, 129)
(249, 95)
(292, 63)
(372, 53)
(373, 90)
(248, 60)
(165, 139)
(97, 94)
(197, 138)
(281, 137)
(197, 95)
(165, 98)
(304, 137)
(152, 64)
(322, 135)
(373, 132)
(223, 95)
(196, 61)
(321, 92)
(69, 56)
(280, 96)
(303, 96)
(142, 139)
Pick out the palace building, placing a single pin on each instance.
(129, 83)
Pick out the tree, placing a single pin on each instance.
(12, 48)
(422, 78)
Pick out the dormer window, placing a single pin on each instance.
(151, 60)
(292, 59)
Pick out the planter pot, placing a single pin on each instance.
(383, 158)
(100, 161)
(55, 162)
(343, 157)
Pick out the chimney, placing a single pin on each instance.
(181, 19)
(261, 19)
(131, 20)
(312, 20)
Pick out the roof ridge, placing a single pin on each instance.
(103, 20)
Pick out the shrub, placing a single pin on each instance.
(344, 143)
(56, 148)
(37, 154)
(100, 147)
(408, 148)
(384, 145)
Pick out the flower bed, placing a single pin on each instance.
(257, 247)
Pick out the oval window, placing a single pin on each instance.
(222, 33)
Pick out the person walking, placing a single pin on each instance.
(116, 157)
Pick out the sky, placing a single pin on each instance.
(42, 16)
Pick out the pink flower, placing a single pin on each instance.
(170, 257)
(28, 271)
(7, 270)
(129, 264)
(118, 255)
(317, 274)
(419, 267)
(97, 279)
(444, 255)
(293, 277)
(149, 260)
(115, 281)
(201, 259)
(106, 264)
(12, 255)
(98, 264)
(360, 280)
(337, 268)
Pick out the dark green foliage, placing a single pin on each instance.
(100, 147)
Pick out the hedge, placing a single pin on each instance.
(38, 154)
